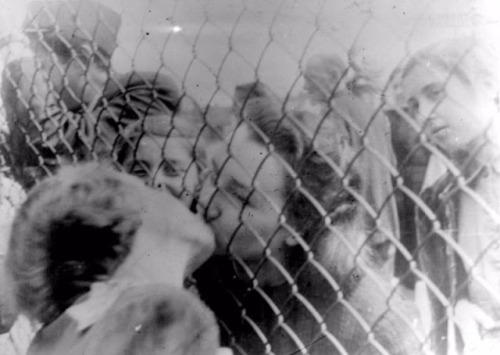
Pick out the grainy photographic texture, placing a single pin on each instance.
(345, 154)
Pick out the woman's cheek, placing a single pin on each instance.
(264, 222)
(192, 180)
(224, 228)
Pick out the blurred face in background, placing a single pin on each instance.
(75, 72)
(452, 110)
(165, 163)
(243, 204)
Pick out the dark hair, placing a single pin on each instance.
(315, 169)
(74, 229)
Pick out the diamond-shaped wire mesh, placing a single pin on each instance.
(343, 222)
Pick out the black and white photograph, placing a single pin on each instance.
(246, 177)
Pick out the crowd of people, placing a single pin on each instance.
(278, 225)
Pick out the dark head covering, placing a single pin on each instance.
(72, 19)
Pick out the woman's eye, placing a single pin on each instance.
(243, 198)
(412, 106)
(434, 92)
(140, 173)
(238, 192)
(240, 197)
(235, 194)
(139, 170)
(171, 170)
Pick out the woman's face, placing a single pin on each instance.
(314, 89)
(451, 111)
(244, 203)
(167, 165)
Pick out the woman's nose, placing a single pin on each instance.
(427, 110)
(165, 183)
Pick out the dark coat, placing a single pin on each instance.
(283, 320)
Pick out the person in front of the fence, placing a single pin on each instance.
(293, 235)
(89, 103)
(329, 91)
(99, 260)
(451, 88)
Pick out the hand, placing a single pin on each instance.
(470, 319)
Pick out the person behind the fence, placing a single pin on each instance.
(283, 215)
(160, 151)
(325, 77)
(451, 89)
(27, 98)
(99, 260)
(89, 103)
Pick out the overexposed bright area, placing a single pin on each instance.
(211, 46)
(11, 16)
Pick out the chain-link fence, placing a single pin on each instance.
(355, 206)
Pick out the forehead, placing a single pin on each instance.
(156, 149)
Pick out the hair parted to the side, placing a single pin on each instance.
(75, 228)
